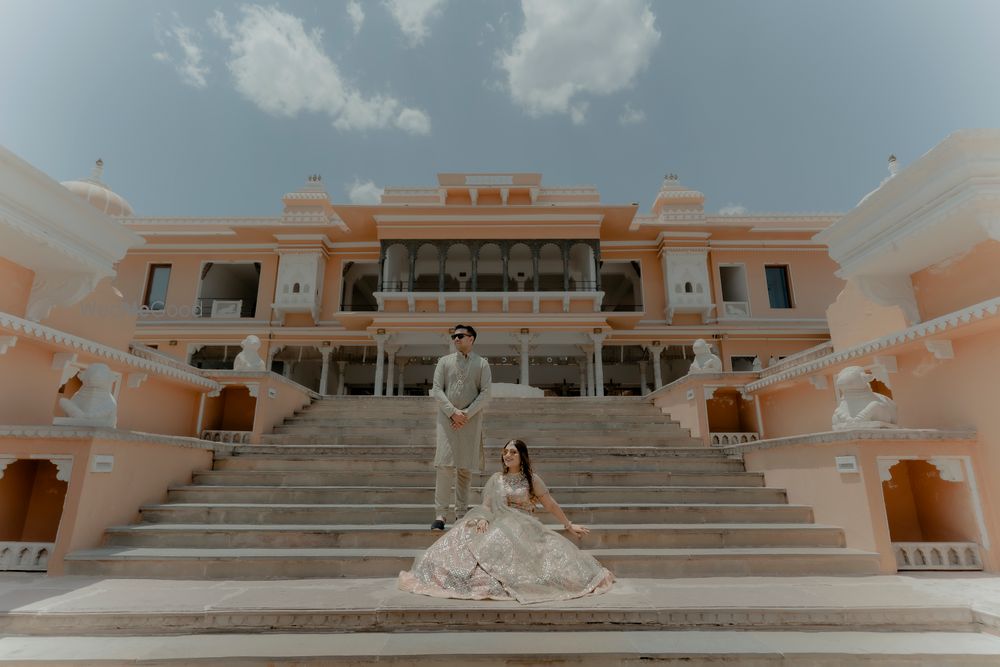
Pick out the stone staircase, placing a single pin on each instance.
(304, 534)
(344, 489)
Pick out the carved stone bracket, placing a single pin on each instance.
(7, 342)
(63, 463)
(253, 388)
(949, 469)
(941, 349)
(885, 469)
(53, 289)
(892, 290)
(4, 462)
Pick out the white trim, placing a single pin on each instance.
(221, 232)
(58, 338)
(200, 248)
(531, 216)
(984, 310)
(355, 244)
(221, 221)
(638, 243)
(772, 249)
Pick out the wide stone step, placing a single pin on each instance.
(492, 426)
(425, 495)
(637, 454)
(401, 437)
(273, 513)
(690, 648)
(425, 477)
(359, 461)
(309, 562)
(417, 536)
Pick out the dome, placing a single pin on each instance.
(99, 195)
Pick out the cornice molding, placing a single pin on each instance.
(41, 333)
(905, 435)
(99, 433)
(960, 318)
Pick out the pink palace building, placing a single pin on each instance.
(850, 358)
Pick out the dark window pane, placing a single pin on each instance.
(778, 292)
(156, 288)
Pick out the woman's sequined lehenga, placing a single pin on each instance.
(517, 558)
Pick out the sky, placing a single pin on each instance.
(203, 108)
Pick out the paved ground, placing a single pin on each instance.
(39, 594)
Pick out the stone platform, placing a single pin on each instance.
(922, 619)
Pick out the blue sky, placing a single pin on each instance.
(219, 108)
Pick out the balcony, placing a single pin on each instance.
(505, 302)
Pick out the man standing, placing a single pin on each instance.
(462, 389)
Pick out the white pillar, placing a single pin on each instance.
(341, 377)
(324, 375)
(286, 369)
(598, 339)
(379, 363)
(590, 371)
(654, 358)
(402, 365)
(525, 339)
(391, 371)
(643, 388)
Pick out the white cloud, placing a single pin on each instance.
(414, 121)
(356, 14)
(570, 48)
(188, 62)
(630, 116)
(412, 17)
(733, 209)
(283, 69)
(364, 193)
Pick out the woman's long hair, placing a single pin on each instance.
(522, 449)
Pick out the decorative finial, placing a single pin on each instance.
(892, 165)
(98, 171)
(670, 177)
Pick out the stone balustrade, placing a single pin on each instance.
(937, 556)
(231, 437)
(734, 438)
(25, 556)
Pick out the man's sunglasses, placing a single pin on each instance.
(460, 336)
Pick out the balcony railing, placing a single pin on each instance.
(536, 299)
(735, 309)
(403, 286)
(224, 308)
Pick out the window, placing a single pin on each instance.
(779, 291)
(741, 363)
(156, 286)
(734, 283)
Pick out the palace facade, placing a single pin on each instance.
(569, 294)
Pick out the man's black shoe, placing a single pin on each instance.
(437, 525)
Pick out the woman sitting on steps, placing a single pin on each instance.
(500, 551)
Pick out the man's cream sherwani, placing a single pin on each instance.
(461, 383)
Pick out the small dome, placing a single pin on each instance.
(99, 195)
